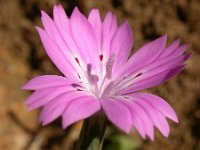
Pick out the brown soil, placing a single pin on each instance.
(22, 57)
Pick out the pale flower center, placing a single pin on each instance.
(98, 87)
(102, 85)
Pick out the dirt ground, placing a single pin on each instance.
(22, 57)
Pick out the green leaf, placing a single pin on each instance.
(121, 142)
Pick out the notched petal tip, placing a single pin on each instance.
(30, 108)
(94, 10)
(64, 126)
(44, 123)
(43, 13)
(94, 14)
(127, 131)
(175, 119)
(80, 105)
(126, 26)
(39, 29)
(184, 46)
(152, 138)
(76, 11)
(108, 16)
(77, 16)
(118, 114)
(57, 10)
(126, 23)
(187, 56)
(178, 40)
(25, 86)
(58, 6)
(191, 54)
(163, 38)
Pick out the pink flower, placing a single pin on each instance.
(93, 56)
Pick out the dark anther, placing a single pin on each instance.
(130, 84)
(77, 60)
(139, 74)
(79, 76)
(101, 57)
(79, 90)
(75, 85)
(126, 97)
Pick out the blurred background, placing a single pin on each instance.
(22, 57)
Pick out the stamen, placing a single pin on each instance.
(93, 79)
(139, 74)
(79, 76)
(101, 57)
(77, 61)
(126, 82)
(126, 97)
(75, 85)
(89, 68)
(79, 89)
(109, 66)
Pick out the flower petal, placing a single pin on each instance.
(153, 80)
(55, 92)
(170, 49)
(154, 70)
(175, 50)
(62, 23)
(159, 104)
(80, 109)
(60, 16)
(57, 57)
(54, 30)
(38, 95)
(54, 114)
(157, 118)
(140, 118)
(122, 44)
(95, 20)
(180, 50)
(85, 39)
(145, 55)
(109, 28)
(165, 64)
(46, 81)
(56, 107)
(118, 114)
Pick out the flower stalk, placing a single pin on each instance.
(92, 133)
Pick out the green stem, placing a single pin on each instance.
(92, 133)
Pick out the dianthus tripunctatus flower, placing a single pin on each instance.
(93, 55)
